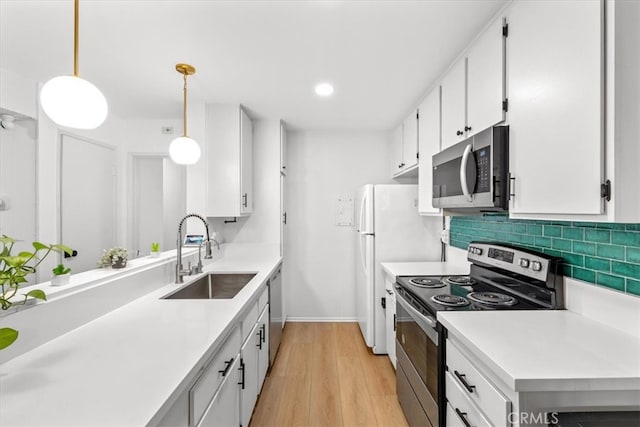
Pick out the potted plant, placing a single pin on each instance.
(14, 269)
(155, 250)
(115, 257)
(61, 275)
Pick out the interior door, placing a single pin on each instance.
(87, 212)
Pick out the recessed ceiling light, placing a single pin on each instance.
(324, 89)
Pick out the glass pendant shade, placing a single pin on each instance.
(184, 150)
(73, 102)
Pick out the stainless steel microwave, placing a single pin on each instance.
(473, 175)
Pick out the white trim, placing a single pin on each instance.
(322, 319)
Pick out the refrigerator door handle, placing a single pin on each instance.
(362, 259)
(361, 219)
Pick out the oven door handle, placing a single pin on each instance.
(423, 320)
(463, 173)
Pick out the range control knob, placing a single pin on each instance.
(478, 251)
(524, 263)
(536, 266)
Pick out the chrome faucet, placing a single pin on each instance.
(180, 271)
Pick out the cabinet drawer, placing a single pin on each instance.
(249, 320)
(214, 374)
(481, 391)
(263, 299)
(460, 407)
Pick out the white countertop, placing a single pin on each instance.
(429, 268)
(121, 368)
(555, 350)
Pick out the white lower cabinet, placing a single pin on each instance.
(254, 358)
(249, 375)
(227, 387)
(390, 320)
(224, 409)
(263, 347)
(473, 397)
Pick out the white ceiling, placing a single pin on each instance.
(267, 55)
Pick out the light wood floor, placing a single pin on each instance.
(324, 375)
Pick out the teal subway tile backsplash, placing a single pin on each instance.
(605, 254)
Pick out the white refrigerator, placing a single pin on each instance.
(388, 229)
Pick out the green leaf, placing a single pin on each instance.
(63, 248)
(37, 293)
(25, 254)
(39, 246)
(7, 337)
(15, 261)
(7, 240)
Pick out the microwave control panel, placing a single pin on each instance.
(483, 174)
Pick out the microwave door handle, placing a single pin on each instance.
(463, 173)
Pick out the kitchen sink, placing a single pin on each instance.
(213, 286)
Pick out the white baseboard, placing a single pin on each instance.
(321, 319)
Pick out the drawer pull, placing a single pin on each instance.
(463, 379)
(260, 340)
(463, 417)
(243, 371)
(228, 364)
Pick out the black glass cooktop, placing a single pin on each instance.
(438, 299)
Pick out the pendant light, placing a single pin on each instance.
(71, 101)
(184, 150)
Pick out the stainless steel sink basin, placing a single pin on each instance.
(213, 286)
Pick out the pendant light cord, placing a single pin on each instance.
(185, 105)
(76, 36)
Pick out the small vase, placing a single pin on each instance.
(62, 279)
(154, 254)
(119, 263)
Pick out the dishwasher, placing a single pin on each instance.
(275, 313)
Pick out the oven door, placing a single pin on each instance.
(418, 360)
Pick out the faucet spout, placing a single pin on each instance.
(180, 272)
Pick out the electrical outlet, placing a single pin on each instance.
(166, 130)
(445, 236)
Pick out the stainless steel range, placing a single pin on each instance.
(501, 278)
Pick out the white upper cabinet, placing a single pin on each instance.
(404, 147)
(246, 164)
(397, 150)
(555, 89)
(283, 149)
(473, 90)
(229, 154)
(485, 80)
(454, 104)
(410, 140)
(429, 144)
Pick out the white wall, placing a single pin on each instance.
(319, 266)
(263, 225)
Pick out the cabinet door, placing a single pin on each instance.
(246, 163)
(263, 348)
(429, 144)
(485, 80)
(453, 104)
(224, 410)
(283, 149)
(555, 107)
(396, 150)
(249, 375)
(410, 140)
